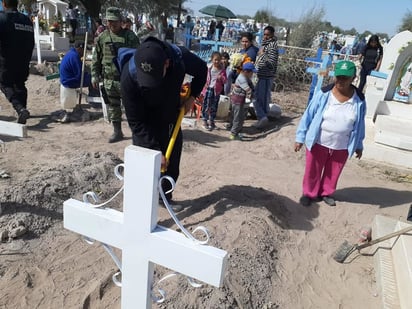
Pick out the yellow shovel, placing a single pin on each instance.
(184, 95)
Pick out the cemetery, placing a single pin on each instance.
(81, 225)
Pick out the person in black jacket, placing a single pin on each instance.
(16, 49)
(151, 97)
(371, 59)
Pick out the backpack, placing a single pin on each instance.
(125, 56)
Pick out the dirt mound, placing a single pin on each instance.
(37, 204)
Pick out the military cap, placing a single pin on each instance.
(113, 13)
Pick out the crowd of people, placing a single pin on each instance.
(149, 87)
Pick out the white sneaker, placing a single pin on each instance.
(65, 118)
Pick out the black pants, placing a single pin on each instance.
(365, 71)
(16, 94)
(73, 24)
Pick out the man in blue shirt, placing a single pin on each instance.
(70, 78)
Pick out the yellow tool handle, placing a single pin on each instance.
(174, 135)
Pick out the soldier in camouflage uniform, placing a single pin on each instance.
(103, 68)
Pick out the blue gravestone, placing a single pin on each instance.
(216, 44)
(188, 40)
(318, 71)
(259, 36)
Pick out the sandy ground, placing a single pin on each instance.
(245, 192)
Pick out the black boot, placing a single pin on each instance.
(23, 115)
(117, 134)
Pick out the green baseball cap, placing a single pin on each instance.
(113, 13)
(345, 68)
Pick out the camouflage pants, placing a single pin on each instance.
(114, 109)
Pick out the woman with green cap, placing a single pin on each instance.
(332, 129)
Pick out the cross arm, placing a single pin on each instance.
(101, 224)
(173, 250)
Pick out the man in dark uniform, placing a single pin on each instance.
(103, 68)
(151, 97)
(16, 49)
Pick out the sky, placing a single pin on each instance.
(377, 16)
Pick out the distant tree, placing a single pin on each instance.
(92, 7)
(328, 27)
(309, 25)
(406, 22)
(244, 17)
(366, 34)
(262, 16)
(153, 8)
(275, 21)
(382, 35)
(351, 32)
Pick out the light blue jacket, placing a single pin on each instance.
(309, 126)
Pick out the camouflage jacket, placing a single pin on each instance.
(105, 50)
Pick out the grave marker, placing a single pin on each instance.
(136, 233)
(388, 122)
(216, 44)
(319, 71)
(259, 36)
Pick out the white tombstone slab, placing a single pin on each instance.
(136, 233)
(13, 129)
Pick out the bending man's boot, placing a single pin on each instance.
(117, 133)
(22, 115)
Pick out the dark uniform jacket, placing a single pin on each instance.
(152, 114)
(16, 46)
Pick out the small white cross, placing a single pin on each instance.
(136, 233)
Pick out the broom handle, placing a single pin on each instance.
(386, 237)
(174, 135)
(83, 65)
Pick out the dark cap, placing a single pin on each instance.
(113, 13)
(150, 58)
(79, 45)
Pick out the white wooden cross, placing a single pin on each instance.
(136, 233)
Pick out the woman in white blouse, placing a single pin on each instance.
(332, 129)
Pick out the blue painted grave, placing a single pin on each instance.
(318, 71)
(215, 44)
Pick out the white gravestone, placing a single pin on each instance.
(136, 233)
(381, 88)
(388, 122)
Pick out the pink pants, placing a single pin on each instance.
(322, 170)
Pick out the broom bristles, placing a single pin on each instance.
(343, 252)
